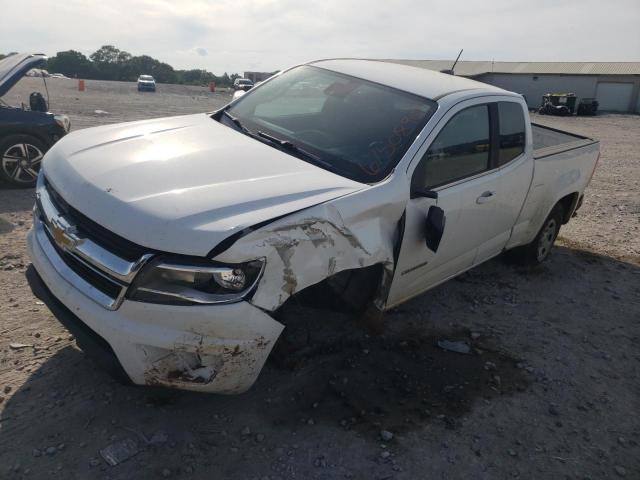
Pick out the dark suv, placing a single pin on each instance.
(25, 133)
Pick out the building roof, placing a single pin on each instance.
(473, 68)
(419, 81)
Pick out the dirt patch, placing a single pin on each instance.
(5, 226)
(400, 382)
(591, 255)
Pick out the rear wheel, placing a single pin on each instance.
(20, 160)
(538, 251)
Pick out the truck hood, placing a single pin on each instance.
(183, 184)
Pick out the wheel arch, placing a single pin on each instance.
(10, 131)
(568, 204)
(351, 291)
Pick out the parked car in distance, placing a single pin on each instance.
(238, 93)
(242, 84)
(168, 246)
(37, 72)
(26, 132)
(146, 83)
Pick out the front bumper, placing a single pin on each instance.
(218, 348)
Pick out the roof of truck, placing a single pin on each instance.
(419, 81)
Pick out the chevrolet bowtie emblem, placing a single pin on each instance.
(64, 237)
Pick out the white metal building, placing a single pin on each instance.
(616, 85)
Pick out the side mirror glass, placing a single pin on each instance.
(435, 227)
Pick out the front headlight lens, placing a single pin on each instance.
(63, 121)
(177, 282)
(231, 278)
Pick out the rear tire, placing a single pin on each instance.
(539, 249)
(20, 160)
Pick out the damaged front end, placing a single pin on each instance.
(348, 245)
(170, 332)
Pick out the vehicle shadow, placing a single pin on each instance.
(16, 200)
(338, 384)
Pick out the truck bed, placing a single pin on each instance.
(550, 141)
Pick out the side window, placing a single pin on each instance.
(512, 130)
(461, 149)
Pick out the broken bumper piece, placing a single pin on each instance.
(218, 348)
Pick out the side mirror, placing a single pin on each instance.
(435, 227)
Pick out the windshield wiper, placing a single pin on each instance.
(282, 144)
(235, 121)
(271, 138)
(287, 145)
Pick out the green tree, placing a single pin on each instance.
(196, 77)
(146, 65)
(112, 63)
(105, 55)
(72, 64)
(225, 80)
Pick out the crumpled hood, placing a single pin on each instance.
(183, 184)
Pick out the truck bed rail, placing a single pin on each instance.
(549, 141)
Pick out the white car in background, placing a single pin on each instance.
(239, 93)
(146, 83)
(167, 246)
(242, 84)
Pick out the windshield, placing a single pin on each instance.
(244, 82)
(358, 129)
(146, 77)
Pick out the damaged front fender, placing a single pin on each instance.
(310, 246)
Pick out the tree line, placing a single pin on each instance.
(111, 63)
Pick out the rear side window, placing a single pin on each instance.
(511, 118)
(460, 150)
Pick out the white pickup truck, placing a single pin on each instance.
(166, 246)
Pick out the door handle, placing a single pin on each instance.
(485, 197)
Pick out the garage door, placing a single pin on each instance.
(614, 97)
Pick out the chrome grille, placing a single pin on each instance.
(84, 247)
(88, 228)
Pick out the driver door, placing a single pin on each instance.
(455, 165)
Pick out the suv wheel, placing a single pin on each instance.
(20, 160)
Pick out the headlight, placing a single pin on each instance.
(173, 281)
(63, 121)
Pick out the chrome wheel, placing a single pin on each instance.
(21, 162)
(547, 238)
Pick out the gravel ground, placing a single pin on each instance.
(551, 388)
(113, 102)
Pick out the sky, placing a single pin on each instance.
(266, 35)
